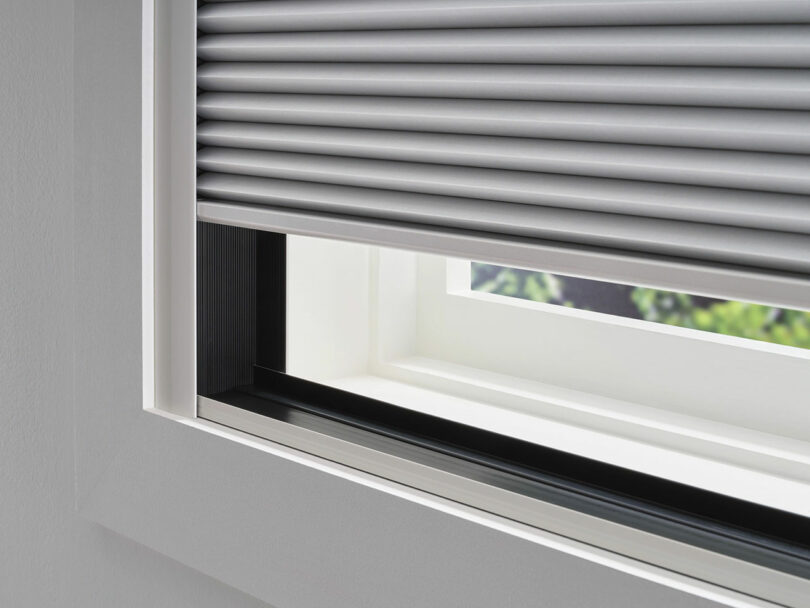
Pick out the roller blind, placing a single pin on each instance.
(669, 130)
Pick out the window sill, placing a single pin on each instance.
(731, 460)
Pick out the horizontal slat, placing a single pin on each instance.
(728, 87)
(750, 170)
(695, 277)
(290, 15)
(758, 130)
(743, 46)
(688, 203)
(757, 248)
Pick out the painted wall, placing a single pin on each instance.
(49, 556)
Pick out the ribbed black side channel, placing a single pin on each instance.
(241, 278)
(226, 307)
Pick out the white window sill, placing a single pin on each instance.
(718, 457)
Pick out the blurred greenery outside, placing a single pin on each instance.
(754, 321)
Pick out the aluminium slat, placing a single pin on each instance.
(725, 87)
(788, 173)
(312, 15)
(788, 252)
(786, 212)
(697, 277)
(782, 131)
(786, 46)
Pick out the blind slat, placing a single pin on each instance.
(756, 248)
(788, 173)
(759, 130)
(292, 15)
(745, 46)
(698, 277)
(724, 87)
(770, 211)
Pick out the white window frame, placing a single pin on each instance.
(406, 328)
(281, 524)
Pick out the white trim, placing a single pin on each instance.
(334, 272)
(148, 201)
(174, 207)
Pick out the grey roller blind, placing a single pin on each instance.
(669, 130)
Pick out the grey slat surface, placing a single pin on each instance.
(670, 128)
(312, 15)
(742, 208)
(730, 169)
(757, 248)
(741, 46)
(723, 87)
(733, 129)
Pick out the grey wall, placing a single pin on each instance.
(49, 556)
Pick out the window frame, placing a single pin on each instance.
(387, 309)
(198, 492)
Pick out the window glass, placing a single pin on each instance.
(742, 319)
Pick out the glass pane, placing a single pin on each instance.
(742, 319)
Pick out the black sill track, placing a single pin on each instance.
(744, 530)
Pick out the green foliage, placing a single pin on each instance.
(667, 307)
(523, 284)
(754, 321)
